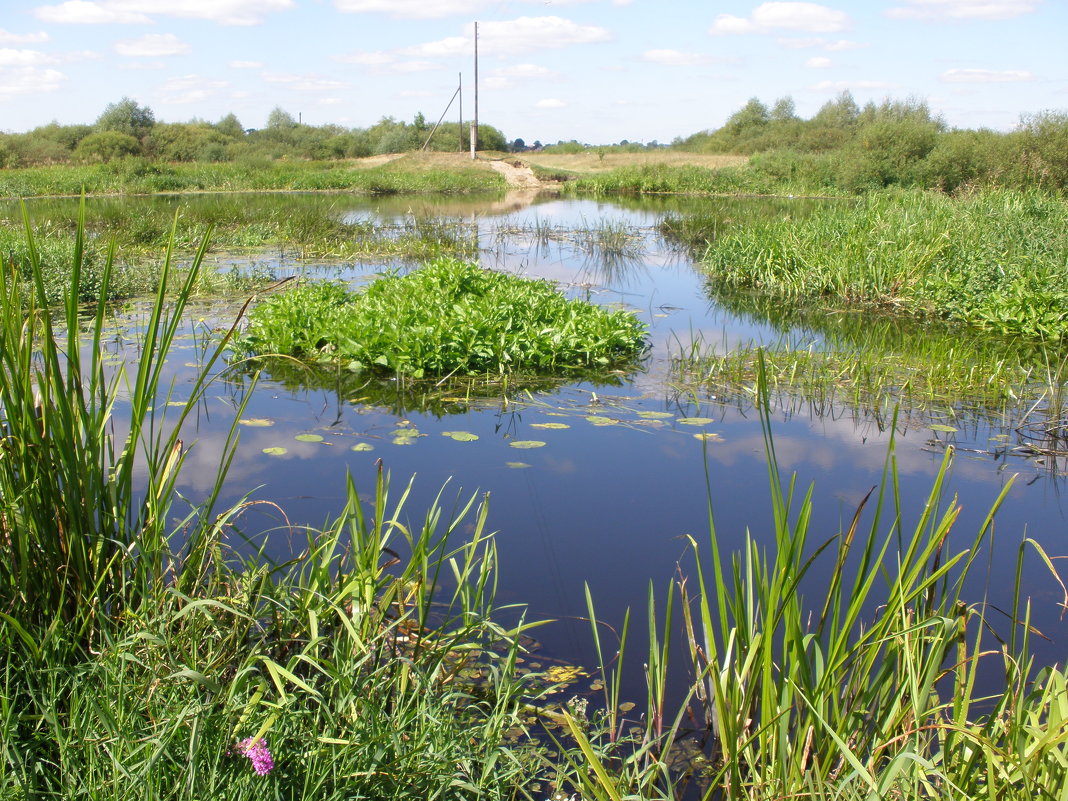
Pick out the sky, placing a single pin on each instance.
(598, 71)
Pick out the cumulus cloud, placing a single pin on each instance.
(304, 83)
(17, 81)
(152, 45)
(7, 37)
(953, 10)
(23, 58)
(767, 17)
(985, 76)
(550, 102)
(411, 9)
(224, 12)
(521, 35)
(85, 12)
(818, 63)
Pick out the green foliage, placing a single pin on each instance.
(105, 146)
(449, 317)
(895, 143)
(126, 117)
(664, 178)
(137, 649)
(997, 260)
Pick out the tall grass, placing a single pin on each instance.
(850, 666)
(138, 652)
(996, 260)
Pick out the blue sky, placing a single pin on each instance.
(593, 70)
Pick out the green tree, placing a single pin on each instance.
(280, 118)
(230, 126)
(126, 117)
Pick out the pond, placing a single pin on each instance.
(599, 485)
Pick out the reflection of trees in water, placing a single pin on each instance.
(401, 396)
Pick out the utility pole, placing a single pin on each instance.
(460, 90)
(474, 125)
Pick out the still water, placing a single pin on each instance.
(624, 469)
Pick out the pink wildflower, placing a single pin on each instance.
(259, 756)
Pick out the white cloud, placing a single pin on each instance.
(246, 65)
(820, 43)
(28, 81)
(819, 63)
(304, 83)
(190, 89)
(330, 101)
(224, 12)
(510, 37)
(6, 37)
(766, 17)
(85, 12)
(412, 9)
(23, 58)
(152, 45)
(550, 102)
(839, 86)
(951, 10)
(985, 76)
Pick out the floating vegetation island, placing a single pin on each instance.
(450, 317)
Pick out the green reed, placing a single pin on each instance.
(995, 260)
(836, 667)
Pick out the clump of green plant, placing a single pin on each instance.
(844, 667)
(665, 178)
(449, 317)
(151, 653)
(997, 260)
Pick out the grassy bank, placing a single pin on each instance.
(995, 260)
(414, 173)
(151, 649)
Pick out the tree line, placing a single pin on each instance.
(127, 129)
(893, 143)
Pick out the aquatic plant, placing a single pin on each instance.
(996, 260)
(448, 317)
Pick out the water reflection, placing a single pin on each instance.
(620, 479)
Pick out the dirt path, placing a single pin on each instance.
(516, 173)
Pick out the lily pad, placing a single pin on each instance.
(598, 420)
(941, 427)
(695, 421)
(276, 451)
(654, 415)
(526, 443)
(360, 447)
(308, 437)
(256, 422)
(460, 436)
(406, 432)
(516, 465)
(176, 403)
(549, 425)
